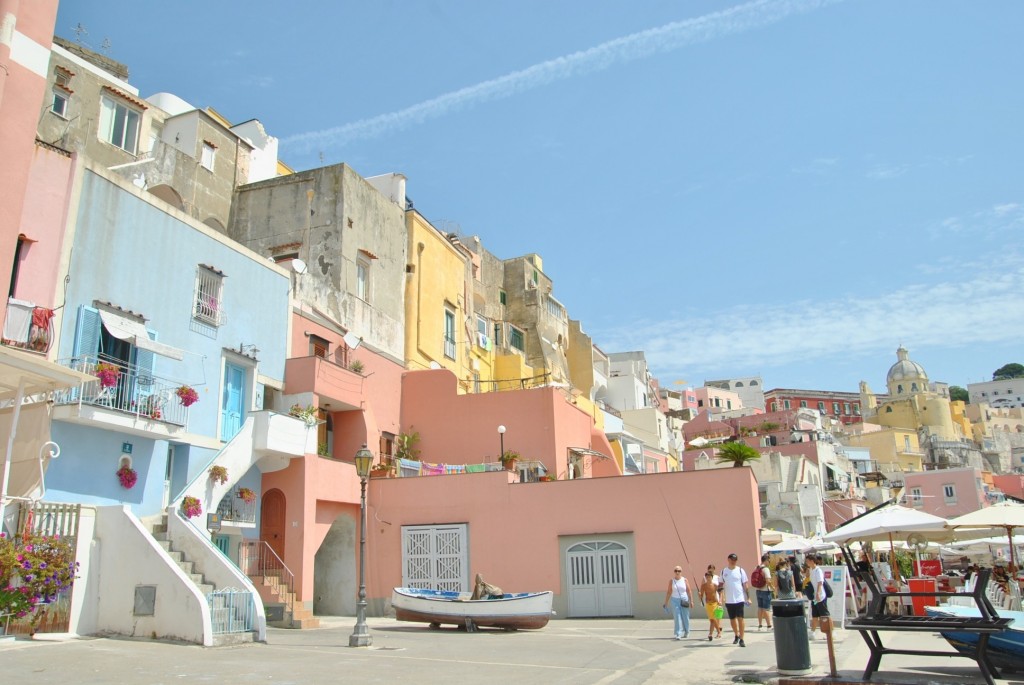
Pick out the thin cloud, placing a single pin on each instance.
(991, 222)
(985, 310)
(635, 46)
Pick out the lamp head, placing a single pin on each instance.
(363, 460)
(501, 429)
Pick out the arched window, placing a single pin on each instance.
(739, 384)
(899, 389)
(753, 382)
(913, 387)
(888, 410)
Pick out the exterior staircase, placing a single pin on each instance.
(276, 586)
(229, 618)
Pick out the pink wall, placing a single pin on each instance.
(44, 220)
(514, 528)
(22, 90)
(463, 429)
(969, 496)
(1011, 484)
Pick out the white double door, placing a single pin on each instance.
(598, 579)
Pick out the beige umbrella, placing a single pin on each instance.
(1005, 515)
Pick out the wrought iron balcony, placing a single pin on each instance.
(234, 509)
(133, 391)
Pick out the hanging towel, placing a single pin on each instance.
(432, 469)
(410, 465)
(18, 321)
(39, 334)
(475, 468)
(456, 468)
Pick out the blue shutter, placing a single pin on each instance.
(87, 332)
(145, 363)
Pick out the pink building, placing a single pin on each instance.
(1011, 484)
(24, 54)
(946, 492)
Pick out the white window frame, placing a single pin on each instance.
(209, 155)
(949, 493)
(208, 298)
(449, 332)
(110, 110)
(59, 96)
(363, 279)
(916, 497)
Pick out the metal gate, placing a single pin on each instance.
(598, 579)
(435, 557)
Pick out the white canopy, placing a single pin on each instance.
(1002, 515)
(890, 521)
(793, 544)
(134, 331)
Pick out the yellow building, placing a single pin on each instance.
(894, 451)
(911, 404)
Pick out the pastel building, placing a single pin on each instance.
(844, 407)
(947, 492)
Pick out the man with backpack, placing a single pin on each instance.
(761, 581)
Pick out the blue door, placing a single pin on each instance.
(232, 401)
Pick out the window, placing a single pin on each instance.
(785, 404)
(803, 404)
(949, 492)
(906, 443)
(835, 408)
(498, 337)
(363, 281)
(209, 293)
(318, 347)
(739, 384)
(449, 332)
(700, 403)
(481, 325)
(502, 297)
(856, 410)
(516, 339)
(775, 407)
(916, 498)
(846, 408)
(209, 154)
(59, 105)
(119, 124)
(821, 407)
(753, 382)
(728, 404)
(555, 309)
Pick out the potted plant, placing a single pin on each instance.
(108, 374)
(246, 495)
(219, 474)
(509, 459)
(187, 394)
(385, 468)
(307, 414)
(405, 446)
(33, 570)
(128, 477)
(356, 366)
(191, 506)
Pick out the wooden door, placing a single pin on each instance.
(272, 521)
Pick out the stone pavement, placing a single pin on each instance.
(577, 651)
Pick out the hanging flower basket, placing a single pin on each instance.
(246, 495)
(187, 394)
(219, 474)
(108, 374)
(307, 414)
(191, 506)
(128, 477)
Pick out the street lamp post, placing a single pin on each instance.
(501, 437)
(360, 636)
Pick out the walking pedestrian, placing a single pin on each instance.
(784, 581)
(737, 589)
(678, 595)
(819, 605)
(763, 584)
(709, 595)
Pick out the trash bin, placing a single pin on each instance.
(792, 647)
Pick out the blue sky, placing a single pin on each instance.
(790, 188)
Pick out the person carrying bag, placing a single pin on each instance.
(678, 595)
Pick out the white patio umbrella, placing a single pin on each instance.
(794, 544)
(1006, 515)
(887, 520)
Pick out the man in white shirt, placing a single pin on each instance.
(819, 607)
(737, 587)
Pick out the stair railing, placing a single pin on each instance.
(258, 558)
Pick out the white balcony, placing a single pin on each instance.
(279, 438)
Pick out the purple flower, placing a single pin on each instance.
(27, 565)
(42, 564)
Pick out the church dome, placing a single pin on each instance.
(905, 373)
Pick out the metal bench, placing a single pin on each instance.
(876, 620)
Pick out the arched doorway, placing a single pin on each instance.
(272, 520)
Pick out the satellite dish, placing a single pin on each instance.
(435, 365)
(298, 266)
(917, 542)
(352, 340)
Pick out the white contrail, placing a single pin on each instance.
(626, 49)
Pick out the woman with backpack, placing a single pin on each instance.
(784, 581)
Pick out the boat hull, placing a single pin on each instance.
(523, 611)
(1005, 649)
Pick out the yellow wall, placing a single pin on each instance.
(888, 447)
(920, 410)
(439, 279)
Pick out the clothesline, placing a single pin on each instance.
(409, 467)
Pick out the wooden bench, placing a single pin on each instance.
(876, 620)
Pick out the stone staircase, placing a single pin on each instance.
(222, 616)
(283, 610)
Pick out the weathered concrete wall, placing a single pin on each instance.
(332, 219)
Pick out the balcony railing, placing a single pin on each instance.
(136, 391)
(234, 509)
